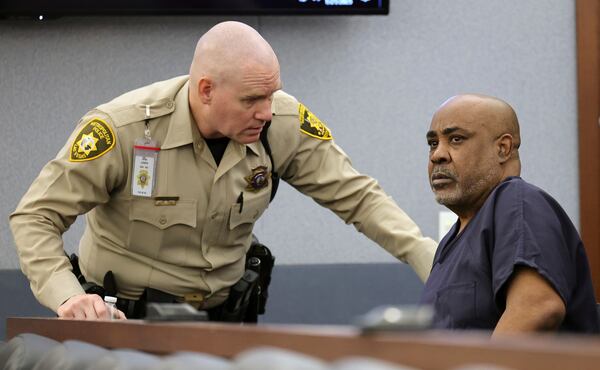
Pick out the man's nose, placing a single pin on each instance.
(439, 155)
(264, 112)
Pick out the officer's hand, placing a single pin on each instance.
(86, 307)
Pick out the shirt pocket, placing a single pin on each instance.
(248, 212)
(455, 306)
(155, 227)
(243, 216)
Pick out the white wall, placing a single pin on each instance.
(375, 80)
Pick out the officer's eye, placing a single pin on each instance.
(432, 144)
(252, 99)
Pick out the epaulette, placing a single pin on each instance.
(148, 102)
(138, 112)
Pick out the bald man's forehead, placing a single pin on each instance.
(469, 102)
(458, 113)
(483, 104)
(476, 113)
(265, 80)
(450, 112)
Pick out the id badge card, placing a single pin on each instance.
(145, 158)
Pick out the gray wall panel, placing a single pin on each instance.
(374, 80)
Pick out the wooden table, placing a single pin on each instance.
(430, 350)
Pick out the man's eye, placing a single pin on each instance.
(456, 139)
(432, 144)
(253, 100)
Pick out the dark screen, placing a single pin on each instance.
(189, 7)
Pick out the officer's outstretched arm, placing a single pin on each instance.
(307, 158)
(68, 186)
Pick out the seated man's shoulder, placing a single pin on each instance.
(521, 189)
(521, 201)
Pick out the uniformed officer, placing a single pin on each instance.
(172, 178)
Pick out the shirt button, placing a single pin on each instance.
(162, 220)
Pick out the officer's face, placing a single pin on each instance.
(242, 104)
(463, 164)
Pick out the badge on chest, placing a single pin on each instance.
(258, 179)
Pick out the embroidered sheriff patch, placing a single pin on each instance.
(311, 125)
(259, 179)
(95, 139)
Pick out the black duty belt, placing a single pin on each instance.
(136, 308)
(247, 297)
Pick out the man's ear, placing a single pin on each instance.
(205, 90)
(505, 147)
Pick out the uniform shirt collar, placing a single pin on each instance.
(253, 147)
(181, 122)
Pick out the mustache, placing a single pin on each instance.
(440, 172)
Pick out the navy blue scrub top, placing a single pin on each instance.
(519, 224)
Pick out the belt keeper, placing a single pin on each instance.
(194, 299)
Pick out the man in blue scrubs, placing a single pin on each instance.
(513, 262)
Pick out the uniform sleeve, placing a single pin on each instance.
(320, 169)
(529, 232)
(63, 190)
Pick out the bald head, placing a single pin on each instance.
(473, 146)
(233, 79)
(228, 49)
(493, 114)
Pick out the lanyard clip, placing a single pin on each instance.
(147, 130)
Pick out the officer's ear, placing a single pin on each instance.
(205, 90)
(504, 144)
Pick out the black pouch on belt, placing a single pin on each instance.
(235, 307)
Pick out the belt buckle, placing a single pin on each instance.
(193, 299)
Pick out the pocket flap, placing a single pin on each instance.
(184, 212)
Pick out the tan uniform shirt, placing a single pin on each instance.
(196, 240)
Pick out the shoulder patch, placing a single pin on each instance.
(94, 140)
(311, 125)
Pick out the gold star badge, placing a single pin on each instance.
(143, 178)
(87, 143)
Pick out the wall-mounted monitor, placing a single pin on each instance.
(58, 8)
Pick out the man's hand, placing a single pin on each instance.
(86, 307)
(532, 304)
